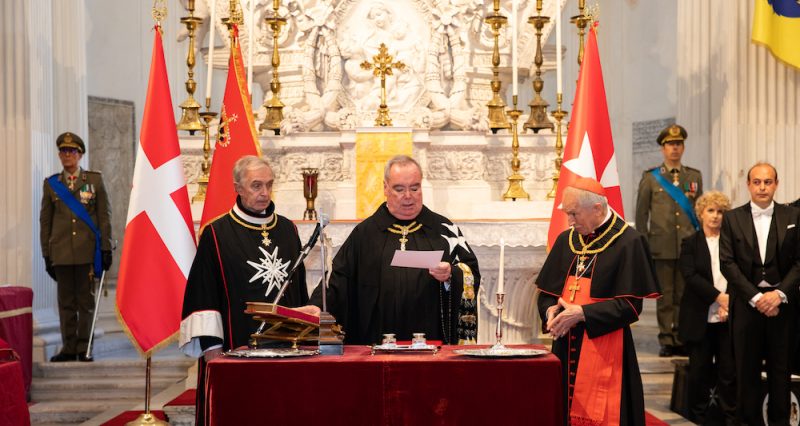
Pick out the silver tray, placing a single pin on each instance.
(501, 353)
(270, 353)
(404, 349)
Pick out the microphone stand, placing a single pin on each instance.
(323, 222)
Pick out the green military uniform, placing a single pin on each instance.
(68, 245)
(665, 224)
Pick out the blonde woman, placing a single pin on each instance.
(704, 314)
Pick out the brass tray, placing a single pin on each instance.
(501, 353)
(270, 353)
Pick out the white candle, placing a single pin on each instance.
(211, 30)
(514, 59)
(251, 31)
(558, 48)
(500, 286)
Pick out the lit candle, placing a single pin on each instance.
(514, 59)
(251, 31)
(558, 48)
(211, 30)
(500, 286)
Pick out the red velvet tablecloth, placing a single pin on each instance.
(385, 389)
(16, 325)
(13, 407)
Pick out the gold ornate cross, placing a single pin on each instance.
(574, 288)
(382, 66)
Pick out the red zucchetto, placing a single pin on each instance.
(588, 184)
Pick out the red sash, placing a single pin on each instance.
(598, 384)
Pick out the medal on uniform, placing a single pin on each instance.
(676, 177)
(264, 228)
(581, 264)
(404, 231)
(71, 182)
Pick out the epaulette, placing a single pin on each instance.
(692, 169)
(54, 174)
(93, 172)
(650, 170)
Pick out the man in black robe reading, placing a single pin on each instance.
(369, 297)
(590, 290)
(243, 256)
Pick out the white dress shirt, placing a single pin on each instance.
(762, 219)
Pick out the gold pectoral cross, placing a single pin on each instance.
(404, 231)
(574, 288)
(382, 66)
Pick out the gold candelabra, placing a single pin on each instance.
(581, 20)
(205, 167)
(559, 115)
(234, 18)
(538, 118)
(274, 106)
(497, 107)
(515, 190)
(190, 119)
(382, 66)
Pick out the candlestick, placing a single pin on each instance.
(500, 286)
(558, 50)
(212, 22)
(498, 331)
(190, 120)
(514, 58)
(538, 120)
(496, 106)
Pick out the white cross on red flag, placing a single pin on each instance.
(159, 234)
(589, 151)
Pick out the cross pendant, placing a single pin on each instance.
(266, 241)
(574, 289)
(581, 265)
(403, 240)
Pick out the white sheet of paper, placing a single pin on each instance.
(417, 259)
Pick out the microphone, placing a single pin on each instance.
(323, 221)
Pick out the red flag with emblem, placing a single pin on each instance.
(159, 235)
(237, 138)
(589, 151)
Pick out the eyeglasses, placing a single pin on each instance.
(68, 151)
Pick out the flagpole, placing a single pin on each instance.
(147, 418)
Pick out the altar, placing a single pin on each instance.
(390, 389)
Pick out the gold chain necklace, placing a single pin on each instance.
(263, 228)
(404, 231)
(586, 248)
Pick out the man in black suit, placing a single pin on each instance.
(759, 257)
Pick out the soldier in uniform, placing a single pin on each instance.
(665, 215)
(71, 229)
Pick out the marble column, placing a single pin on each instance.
(741, 103)
(42, 71)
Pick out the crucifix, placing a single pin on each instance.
(382, 66)
(574, 288)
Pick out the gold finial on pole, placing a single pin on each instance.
(234, 18)
(382, 66)
(581, 20)
(205, 167)
(559, 115)
(515, 190)
(190, 119)
(538, 119)
(274, 106)
(159, 12)
(497, 107)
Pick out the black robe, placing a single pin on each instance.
(368, 297)
(224, 276)
(623, 274)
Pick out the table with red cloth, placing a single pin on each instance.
(385, 389)
(13, 407)
(16, 325)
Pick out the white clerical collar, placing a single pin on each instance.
(252, 219)
(758, 211)
(608, 216)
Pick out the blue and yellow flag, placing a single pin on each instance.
(776, 25)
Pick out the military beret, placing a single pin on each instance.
(71, 140)
(671, 134)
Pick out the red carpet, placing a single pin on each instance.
(651, 420)
(129, 416)
(186, 398)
